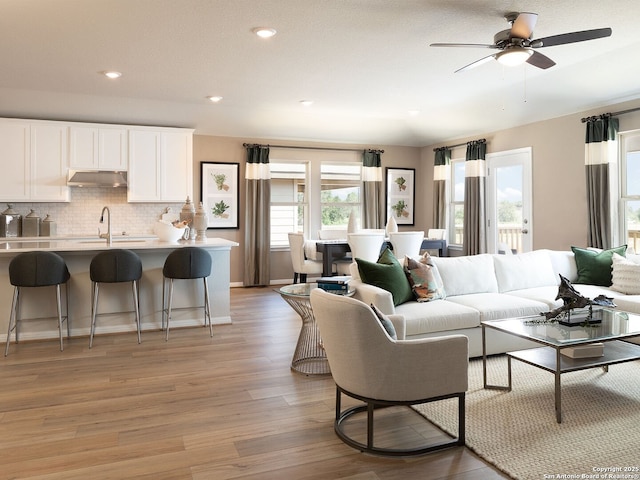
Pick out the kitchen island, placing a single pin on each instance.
(78, 253)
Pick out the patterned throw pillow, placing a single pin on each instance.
(626, 275)
(424, 279)
(385, 321)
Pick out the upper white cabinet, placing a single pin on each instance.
(98, 147)
(35, 161)
(160, 164)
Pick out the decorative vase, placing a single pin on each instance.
(200, 222)
(352, 226)
(187, 214)
(392, 226)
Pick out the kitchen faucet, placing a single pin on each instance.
(108, 234)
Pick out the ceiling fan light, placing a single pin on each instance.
(514, 56)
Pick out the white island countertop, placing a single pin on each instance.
(14, 245)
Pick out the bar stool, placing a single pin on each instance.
(114, 266)
(186, 263)
(37, 269)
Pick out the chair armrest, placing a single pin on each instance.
(371, 294)
(399, 324)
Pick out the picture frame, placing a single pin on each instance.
(220, 193)
(401, 194)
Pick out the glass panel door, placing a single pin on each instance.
(509, 229)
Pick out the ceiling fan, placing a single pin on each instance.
(516, 45)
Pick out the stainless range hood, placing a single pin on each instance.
(87, 178)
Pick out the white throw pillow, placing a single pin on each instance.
(625, 275)
(467, 274)
(524, 270)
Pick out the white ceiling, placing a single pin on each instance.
(364, 63)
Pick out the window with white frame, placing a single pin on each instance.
(312, 190)
(630, 189)
(288, 200)
(340, 185)
(456, 211)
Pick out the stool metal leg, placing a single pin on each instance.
(207, 307)
(136, 306)
(59, 305)
(166, 336)
(94, 310)
(12, 319)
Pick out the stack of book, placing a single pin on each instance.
(338, 284)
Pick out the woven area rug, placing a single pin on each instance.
(517, 432)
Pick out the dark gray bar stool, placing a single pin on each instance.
(186, 263)
(114, 266)
(37, 269)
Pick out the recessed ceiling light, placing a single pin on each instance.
(214, 99)
(111, 74)
(306, 103)
(264, 32)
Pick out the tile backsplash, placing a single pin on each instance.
(81, 216)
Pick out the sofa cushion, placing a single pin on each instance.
(524, 270)
(422, 280)
(563, 263)
(625, 275)
(387, 274)
(594, 266)
(544, 295)
(437, 316)
(385, 322)
(496, 306)
(468, 274)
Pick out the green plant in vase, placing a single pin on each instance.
(402, 183)
(220, 178)
(219, 209)
(400, 209)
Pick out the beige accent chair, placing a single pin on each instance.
(366, 245)
(368, 365)
(301, 265)
(406, 243)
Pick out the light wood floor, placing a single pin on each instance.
(193, 408)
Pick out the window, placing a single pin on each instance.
(288, 200)
(312, 190)
(456, 213)
(339, 193)
(630, 189)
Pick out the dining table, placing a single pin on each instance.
(333, 250)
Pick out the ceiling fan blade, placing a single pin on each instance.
(472, 45)
(476, 63)
(572, 37)
(541, 61)
(523, 25)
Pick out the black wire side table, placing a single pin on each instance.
(309, 357)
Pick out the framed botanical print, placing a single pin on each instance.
(401, 195)
(220, 193)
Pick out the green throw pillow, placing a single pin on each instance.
(594, 266)
(387, 274)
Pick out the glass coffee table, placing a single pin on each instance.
(614, 327)
(309, 357)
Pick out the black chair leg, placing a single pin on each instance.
(303, 278)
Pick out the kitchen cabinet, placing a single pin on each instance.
(35, 161)
(98, 147)
(160, 164)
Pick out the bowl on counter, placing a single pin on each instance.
(168, 233)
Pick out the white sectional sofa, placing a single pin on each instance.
(490, 287)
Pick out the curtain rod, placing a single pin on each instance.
(482, 140)
(314, 148)
(605, 115)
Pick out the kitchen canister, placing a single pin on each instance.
(200, 222)
(48, 227)
(10, 223)
(31, 225)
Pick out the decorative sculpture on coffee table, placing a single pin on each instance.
(571, 299)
